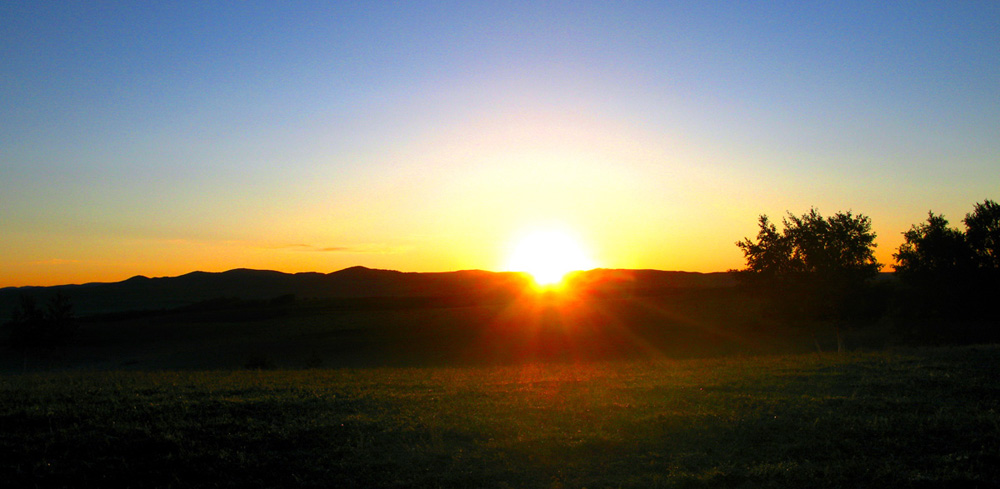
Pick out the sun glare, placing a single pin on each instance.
(548, 256)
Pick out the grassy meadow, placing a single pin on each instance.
(535, 328)
(906, 418)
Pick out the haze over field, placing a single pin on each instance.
(162, 138)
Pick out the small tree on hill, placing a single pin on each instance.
(815, 268)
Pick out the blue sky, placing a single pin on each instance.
(158, 138)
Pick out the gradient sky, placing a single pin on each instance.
(158, 138)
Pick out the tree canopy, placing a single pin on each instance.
(840, 247)
(983, 234)
(932, 250)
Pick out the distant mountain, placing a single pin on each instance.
(141, 293)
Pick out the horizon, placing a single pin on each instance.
(597, 269)
(158, 139)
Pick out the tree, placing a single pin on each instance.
(933, 251)
(839, 248)
(31, 325)
(983, 234)
(816, 267)
(950, 278)
(770, 256)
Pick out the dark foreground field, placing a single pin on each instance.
(418, 332)
(910, 418)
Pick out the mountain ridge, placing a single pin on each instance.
(151, 293)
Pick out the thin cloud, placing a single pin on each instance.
(376, 248)
(334, 249)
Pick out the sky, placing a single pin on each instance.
(159, 138)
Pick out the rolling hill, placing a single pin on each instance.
(142, 293)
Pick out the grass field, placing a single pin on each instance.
(537, 328)
(911, 418)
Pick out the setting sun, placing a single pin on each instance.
(548, 256)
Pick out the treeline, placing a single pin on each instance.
(822, 270)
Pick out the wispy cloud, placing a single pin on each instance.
(334, 249)
(378, 248)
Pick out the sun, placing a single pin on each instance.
(548, 256)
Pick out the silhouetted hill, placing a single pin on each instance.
(142, 293)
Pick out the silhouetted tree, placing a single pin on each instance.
(31, 325)
(771, 257)
(933, 251)
(951, 279)
(838, 246)
(27, 311)
(983, 234)
(815, 268)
